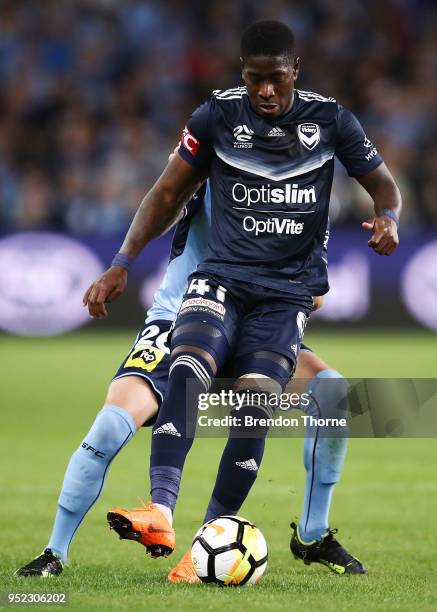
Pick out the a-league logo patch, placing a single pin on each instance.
(309, 135)
(243, 136)
(144, 356)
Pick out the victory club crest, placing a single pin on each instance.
(309, 135)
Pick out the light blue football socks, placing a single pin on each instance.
(113, 428)
(323, 456)
(86, 474)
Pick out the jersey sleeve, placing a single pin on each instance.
(196, 144)
(355, 151)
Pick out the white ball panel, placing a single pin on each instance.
(220, 532)
(257, 574)
(226, 564)
(255, 542)
(199, 557)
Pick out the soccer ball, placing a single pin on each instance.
(229, 551)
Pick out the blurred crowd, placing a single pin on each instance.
(94, 94)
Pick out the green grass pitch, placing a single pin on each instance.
(384, 506)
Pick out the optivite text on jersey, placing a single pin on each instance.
(272, 226)
(288, 194)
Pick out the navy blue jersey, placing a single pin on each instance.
(182, 228)
(270, 183)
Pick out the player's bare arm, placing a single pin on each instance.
(158, 211)
(386, 196)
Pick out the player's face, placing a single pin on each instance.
(270, 82)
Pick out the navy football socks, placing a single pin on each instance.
(236, 474)
(241, 458)
(189, 376)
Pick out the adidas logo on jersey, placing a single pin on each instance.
(167, 428)
(276, 131)
(250, 464)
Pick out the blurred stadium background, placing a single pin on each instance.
(93, 97)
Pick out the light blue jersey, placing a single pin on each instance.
(187, 250)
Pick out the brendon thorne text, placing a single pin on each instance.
(248, 420)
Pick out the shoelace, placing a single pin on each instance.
(330, 537)
(337, 550)
(44, 557)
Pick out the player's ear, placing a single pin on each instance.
(296, 68)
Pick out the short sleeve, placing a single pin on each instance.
(353, 148)
(196, 146)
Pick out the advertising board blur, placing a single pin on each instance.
(43, 277)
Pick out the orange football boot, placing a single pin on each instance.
(146, 525)
(184, 570)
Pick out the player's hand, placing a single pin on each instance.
(384, 239)
(105, 289)
(317, 302)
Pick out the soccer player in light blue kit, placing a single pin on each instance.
(133, 400)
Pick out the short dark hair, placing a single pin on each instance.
(270, 38)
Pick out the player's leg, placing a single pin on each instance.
(132, 399)
(263, 350)
(129, 403)
(309, 369)
(152, 525)
(200, 344)
(263, 360)
(262, 373)
(323, 456)
(113, 428)
(244, 450)
(312, 540)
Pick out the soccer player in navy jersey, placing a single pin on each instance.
(134, 397)
(133, 400)
(268, 151)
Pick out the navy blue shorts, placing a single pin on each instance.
(251, 317)
(149, 358)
